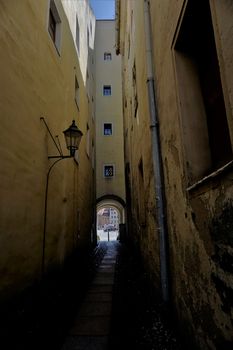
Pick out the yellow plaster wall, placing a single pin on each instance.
(142, 223)
(37, 81)
(109, 149)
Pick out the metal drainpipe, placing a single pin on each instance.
(157, 159)
(117, 26)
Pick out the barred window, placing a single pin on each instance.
(108, 170)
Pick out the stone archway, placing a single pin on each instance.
(115, 202)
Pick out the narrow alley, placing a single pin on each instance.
(119, 309)
(116, 191)
(115, 309)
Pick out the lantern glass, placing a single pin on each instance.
(73, 137)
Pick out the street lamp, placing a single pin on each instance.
(72, 137)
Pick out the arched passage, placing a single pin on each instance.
(113, 203)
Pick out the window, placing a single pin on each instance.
(88, 86)
(77, 92)
(206, 136)
(77, 39)
(107, 90)
(107, 56)
(107, 129)
(88, 37)
(54, 25)
(128, 46)
(141, 204)
(93, 155)
(108, 171)
(91, 28)
(88, 141)
(135, 95)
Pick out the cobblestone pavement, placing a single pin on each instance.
(139, 318)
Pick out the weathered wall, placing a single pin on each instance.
(141, 207)
(199, 217)
(37, 81)
(109, 149)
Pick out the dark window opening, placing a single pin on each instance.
(108, 129)
(52, 25)
(77, 39)
(141, 204)
(107, 56)
(135, 95)
(196, 40)
(88, 37)
(77, 92)
(107, 90)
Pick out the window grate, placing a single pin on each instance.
(108, 171)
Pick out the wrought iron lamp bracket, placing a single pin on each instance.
(57, 144)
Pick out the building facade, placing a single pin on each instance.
(114, 218)
(45, 47)
(110, 181)
(107, 216)
(177, 73)
(102, 218)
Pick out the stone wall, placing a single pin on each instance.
(198, 188)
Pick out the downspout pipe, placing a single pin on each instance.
(117, 25)
(157, 158)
